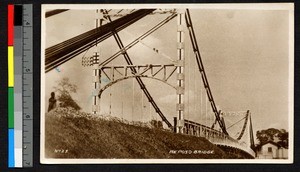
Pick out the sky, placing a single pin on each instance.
(245, 55)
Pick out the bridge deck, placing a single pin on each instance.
(214, 136)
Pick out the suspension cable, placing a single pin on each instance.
(236, 123)
(132, 115)
(252, 145)
(155, 50)
(159, 25)
(66, 50)
(244, 127)
(150, 114)
(206, 119)
(189, 87)
(119, 14)
(202, 71)
(195, 88)
(201, 103)
(142, 106)
(110, 95)
(128, 60)
(122, 114)
(54, 12)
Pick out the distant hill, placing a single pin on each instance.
(73, 134)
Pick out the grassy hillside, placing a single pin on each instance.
(71, 134)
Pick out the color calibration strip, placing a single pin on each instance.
(20, 121)
(11, 147)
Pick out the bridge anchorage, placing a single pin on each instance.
(106, 74)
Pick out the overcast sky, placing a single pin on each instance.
(245, 55)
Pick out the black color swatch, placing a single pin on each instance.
(18, 15)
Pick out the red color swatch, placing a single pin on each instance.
(10, 25)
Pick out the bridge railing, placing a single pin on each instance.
(214, 136)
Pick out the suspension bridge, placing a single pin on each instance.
(182, 73)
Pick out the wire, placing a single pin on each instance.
(202, 71)
(110, 93)
(128, 60)
(85, 53)
(150, 115)
(122, 114)
(206, 111)
(235, 123)
(142, 106)
(66, 50)
(195, 88)
(189, 87)
(156, 50)
(201, 103)
(132, 100)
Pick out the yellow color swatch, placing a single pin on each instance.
(10, 66)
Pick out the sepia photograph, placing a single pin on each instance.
(167, 83)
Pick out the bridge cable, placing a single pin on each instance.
(122, 100)
(66, 50)
(137, 40)
(155, 50)
(206, 119)
(235, 123)
(153, 13)
(244, 127)
(132, 115)
(110, 95)
(195, 88)
(202, 71)
(252, 145)
(150, 117)
(129, 62)
(142, 106)
(201, 103)
(54, 12)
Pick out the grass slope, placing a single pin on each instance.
(70, 134)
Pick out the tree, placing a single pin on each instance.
(65, 88)
(156, 124)
(283, 138)
(272, 134)
(266, 135)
